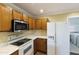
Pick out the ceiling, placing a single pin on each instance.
(49, 8)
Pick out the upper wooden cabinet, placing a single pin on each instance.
(44, 23)
(7, 14)
(0, 18)
(33, 24)
(30, 23)
(5, 18)
(38, 24)
(41, 23)
(16, 15)
(25, 18)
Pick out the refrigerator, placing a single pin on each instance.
(58, 42)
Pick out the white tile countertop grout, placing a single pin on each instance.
(7, 49)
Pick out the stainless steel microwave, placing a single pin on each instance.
(18, 25)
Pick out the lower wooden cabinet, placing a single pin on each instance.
(40, 44)
(15, 53)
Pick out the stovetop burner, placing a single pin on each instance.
(20, 42)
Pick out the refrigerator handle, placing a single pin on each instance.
(51, 37)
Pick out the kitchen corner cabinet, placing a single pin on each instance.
(41, 24)
(38, 24)
(16, 15)
(5, 18)
(40, 44)
(15, 53)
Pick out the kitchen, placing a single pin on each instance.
(12, 32)
(23, 34)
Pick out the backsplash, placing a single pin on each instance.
(13, 36)
(3, 37)
(8, 36)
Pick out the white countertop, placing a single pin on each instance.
(34, 37)
(8, 49)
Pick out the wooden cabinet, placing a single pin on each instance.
(0, 17)
(38, 24)
(25, 18)
(35, 46)
(40, 44)
(7, 14)
(44, 24)
(30, 23)
(5, 18)
(41, 23)
(33, 24)
(16, 15)
(15, 53)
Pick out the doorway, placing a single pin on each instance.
(74, 35)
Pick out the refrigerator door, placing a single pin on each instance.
(62, 39)
(51, 38)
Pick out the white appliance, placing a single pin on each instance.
(58, 38)
(26, 48)
(25, 45)
(51, 38)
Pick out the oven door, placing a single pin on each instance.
(26, 49)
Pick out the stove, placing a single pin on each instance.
(20, 42)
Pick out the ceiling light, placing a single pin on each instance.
(41, 10)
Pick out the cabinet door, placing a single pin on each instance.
(40, 44)
(0, 17)
(33, 24)
(35, 46)
(38, 24)
(17, 15)
(25, 17)
(44, 24)
(41, 23)
(6, 17)
(30, 23)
